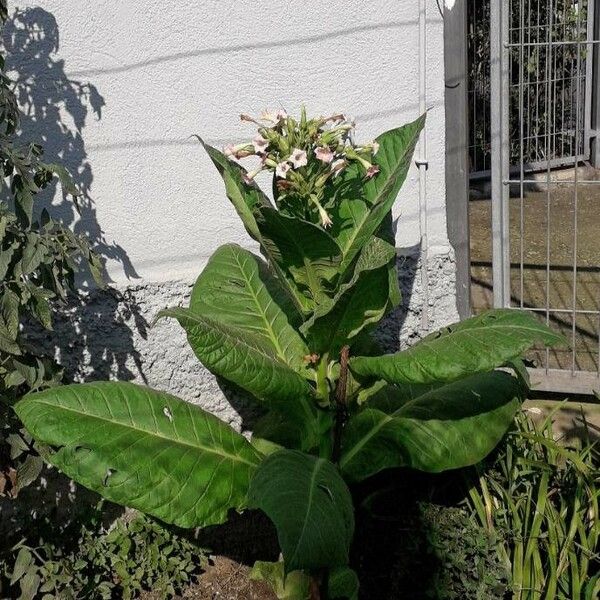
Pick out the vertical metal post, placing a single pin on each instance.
(457, 160)
(594, 17)
(499, 65)
(422, 164)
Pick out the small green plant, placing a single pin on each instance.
(294, 333)
(541, 499)
(132, 556)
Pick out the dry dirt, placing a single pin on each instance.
(224, 579)
(539, 284)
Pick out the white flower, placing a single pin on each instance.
(298, 158)
(324, 154)
(249, 177)
(282, 169)
(338, 165)
(375, 146)
(260, 144)
(270, 116)
(325, 218)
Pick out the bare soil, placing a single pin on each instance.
(545, 261)
(224, 579)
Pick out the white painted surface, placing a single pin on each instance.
(167, 70)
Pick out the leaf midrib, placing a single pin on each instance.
(312, 487)
(146, 432)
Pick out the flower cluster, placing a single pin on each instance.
(305, 156)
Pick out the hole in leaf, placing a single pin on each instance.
(167, 413)
(109, 473)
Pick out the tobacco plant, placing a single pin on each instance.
(293, 331)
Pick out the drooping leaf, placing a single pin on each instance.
(450, 427)
(237, 289)
(144, 449)
(388, 398)
(250, 362)
(361, 207)
(304, 251)
(293, 586)
(309, 504)
(475, 345)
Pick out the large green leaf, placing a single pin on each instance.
(293, 586)
(244, 197)
(247, 199)
(360, 305)
(145, 449)
(236, 288)
(361, 207)
(450, 427)
(361, 301)
(307, 253)
(309, 504)
(247, 360)
(479, 344)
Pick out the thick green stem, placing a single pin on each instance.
(341, 406)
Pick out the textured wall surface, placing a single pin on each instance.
(116, 89)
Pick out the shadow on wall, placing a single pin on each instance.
(55, 111)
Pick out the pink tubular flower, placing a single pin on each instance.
(372, 170)
(282, 169)
(324, 154)
(229, 150)
(281, 115)
(298, 158)
(260, 144)
(249, 176)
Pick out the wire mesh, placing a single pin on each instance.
(550, 33)
(553, 217)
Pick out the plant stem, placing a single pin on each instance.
(341, 414)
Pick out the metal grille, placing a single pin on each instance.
(546, 255)
(550, 85)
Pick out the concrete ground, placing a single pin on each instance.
(535, 280)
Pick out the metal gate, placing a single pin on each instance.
(544, 68)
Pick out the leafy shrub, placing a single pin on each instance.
(38, 261)
(469, 566)
(541, 500)
(294, 334)
(131, 557)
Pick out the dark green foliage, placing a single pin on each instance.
(469, 566)
(132, 556)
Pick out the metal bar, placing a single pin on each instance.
(552, 44)
(500, 151)
(522, 157)
(423, 164)
(576, 202)
(564, 382)
(595, 95)
(548, 195)
(457, 160)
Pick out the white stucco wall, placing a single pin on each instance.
(165, 70)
